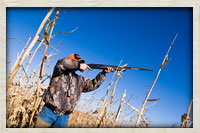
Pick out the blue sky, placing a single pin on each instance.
(139, 36)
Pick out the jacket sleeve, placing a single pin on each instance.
(65, 65)
(90, 85)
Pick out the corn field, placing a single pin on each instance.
(25, 89)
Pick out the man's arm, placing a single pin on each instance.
(90, 85)
(65, 65)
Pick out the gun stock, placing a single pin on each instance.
(100, 66)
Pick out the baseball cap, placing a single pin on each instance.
(76, 57)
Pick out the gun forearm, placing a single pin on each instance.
(100, 66)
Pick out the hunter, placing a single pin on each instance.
(65, 89)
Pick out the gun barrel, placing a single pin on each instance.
(100, 66)
(137, 68)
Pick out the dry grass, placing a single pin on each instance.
(84, 120)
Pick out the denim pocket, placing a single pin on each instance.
(47, 115)
(62, 121)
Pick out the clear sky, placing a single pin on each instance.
(139, 36)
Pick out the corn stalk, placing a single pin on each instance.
(47, 38)
(111, 82)
(103, 102)
(185, 122)
(138, 112)
(165, 61)
(18, 58)
(29, 63)
(120, 107)
(17, 66)
(111, 97)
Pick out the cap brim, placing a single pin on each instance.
(81, 60)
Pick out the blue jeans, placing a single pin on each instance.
(56, 120)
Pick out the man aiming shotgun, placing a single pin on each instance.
(65, 89)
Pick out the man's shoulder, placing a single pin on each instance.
(65, 60)
(62, 59)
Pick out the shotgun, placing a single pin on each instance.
(100, 66)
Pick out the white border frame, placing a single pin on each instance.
(107, 3)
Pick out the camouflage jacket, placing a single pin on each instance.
(66, 86)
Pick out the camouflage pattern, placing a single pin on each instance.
(66, 86)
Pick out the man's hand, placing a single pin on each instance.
(84, 67)
(109, 69)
